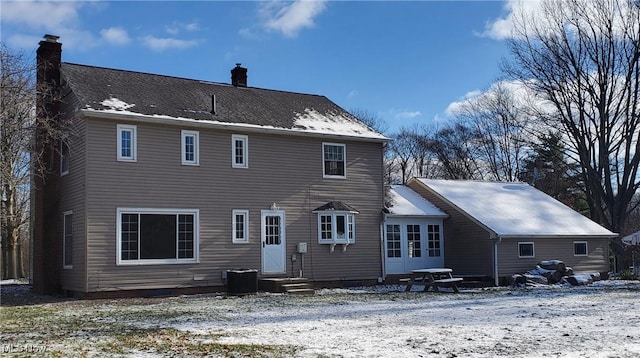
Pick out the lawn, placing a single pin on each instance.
(599, 320)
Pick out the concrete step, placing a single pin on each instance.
(302, 291)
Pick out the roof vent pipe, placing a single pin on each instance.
(213, 104)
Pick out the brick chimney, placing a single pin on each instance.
(46, 244)
(239, 76)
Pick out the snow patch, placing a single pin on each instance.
(332, 123)
(116, 104)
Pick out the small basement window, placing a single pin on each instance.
(526, 250)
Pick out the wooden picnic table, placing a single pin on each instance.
(433, 277)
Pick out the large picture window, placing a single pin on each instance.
(334, 160)
(157, 236)
(127, 143)
(336, 228)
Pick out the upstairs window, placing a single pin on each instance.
(239, 151)
(127, 143)
(64, 158)
(190, 147)
(334, 160)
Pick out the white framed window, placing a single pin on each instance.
(190, 147)
(526, 250)
(394, 241)
(127, 143)
(580, 248)
(240, 219)
(147, 236)
(334, 160)
(64, 158)
(239, 151)
(433, 241)
(336, 228)
(67, 239)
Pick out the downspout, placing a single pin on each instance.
(496, 241)
(382, 263)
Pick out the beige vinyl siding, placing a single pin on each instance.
(286, 170)
(468, 250)
(72, 198)
(553, 249)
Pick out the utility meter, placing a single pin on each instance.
(302, 247)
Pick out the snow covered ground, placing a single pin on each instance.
(598, 320)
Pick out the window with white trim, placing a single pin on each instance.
(67, 239)
(334, 160)
(336, 228)
(190, 147)
(157, 236)
(64, 158)
(239, 151)
(394, 241)
(580, 248)
(240, 229)
(414, 249)
(127, 143)
(526, 250)
(433, 240)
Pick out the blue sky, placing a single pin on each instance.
(406, 62)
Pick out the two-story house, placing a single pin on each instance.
(161, 182)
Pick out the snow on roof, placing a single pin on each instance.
(332, 123)
(405, 202)
(515, 209)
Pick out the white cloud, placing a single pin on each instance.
(403, 114)
(291, 17)
(160, 44)
(62, 18)
(115, 35)
(454, 107)
(502, 27)
(178, 27)
(37, 14)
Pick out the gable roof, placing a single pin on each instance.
(514, 209)
(402, 201)
(335, 206)
(117, 93)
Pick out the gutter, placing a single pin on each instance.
(496, 240)
(142, 118)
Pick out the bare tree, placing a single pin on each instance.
(499, 121)
(17, 112)
(402, 148)
(455, 147)
(583, 57)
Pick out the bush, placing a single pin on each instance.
(628, 275)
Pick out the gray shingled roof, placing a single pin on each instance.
(164, 96)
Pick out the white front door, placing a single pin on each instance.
(273, 241)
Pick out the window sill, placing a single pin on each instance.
(155, 262)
